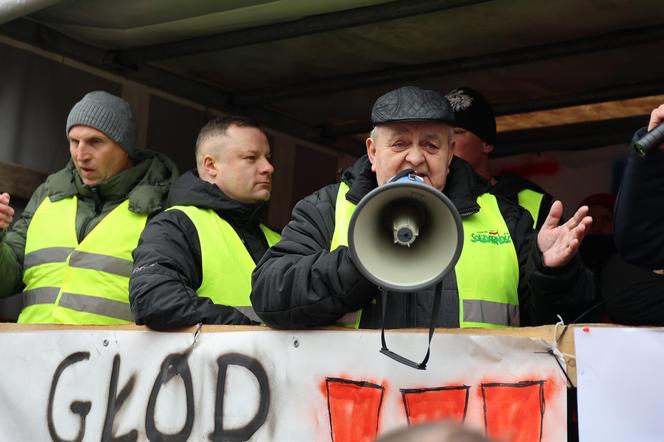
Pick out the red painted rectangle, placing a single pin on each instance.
(514, 412)
(434, 404)
(354, 408)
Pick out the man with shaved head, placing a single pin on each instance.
(194, 261)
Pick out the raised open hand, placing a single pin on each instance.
(559, 243)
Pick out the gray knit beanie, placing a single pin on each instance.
(108, 114)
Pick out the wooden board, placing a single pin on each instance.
(19, 181)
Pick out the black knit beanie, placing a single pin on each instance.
(474, 113)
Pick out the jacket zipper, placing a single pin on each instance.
(468, 213)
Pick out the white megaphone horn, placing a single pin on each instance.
(405, 235)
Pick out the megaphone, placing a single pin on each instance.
(651, 139)
(405, 235)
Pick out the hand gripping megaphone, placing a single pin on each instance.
(405, 235)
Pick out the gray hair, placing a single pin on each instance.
(450, 132)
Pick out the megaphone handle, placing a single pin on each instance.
(434, 312)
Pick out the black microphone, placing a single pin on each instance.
(653, 138)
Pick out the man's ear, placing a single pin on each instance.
(450, 155)
(371, 152)
(488, 148)
(210, 165)
(451, 150)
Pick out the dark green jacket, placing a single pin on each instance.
(146, 185)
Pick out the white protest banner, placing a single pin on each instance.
(258, 384)
(619, 373)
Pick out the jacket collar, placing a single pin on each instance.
(146, 184)
(190, 190)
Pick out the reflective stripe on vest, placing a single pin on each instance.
(531, 201)
(487, 272)
(226, 263)
(42, 295)
(46, 256)
(114, 310)
(93, 280)
(488, 301)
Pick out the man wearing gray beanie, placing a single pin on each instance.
(70, 252)
(108, 114)
(475, 140)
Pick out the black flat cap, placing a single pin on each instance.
(410, 103)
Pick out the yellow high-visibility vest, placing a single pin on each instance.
(71, 283)
(531, 201)
(487, 272)
(226, 263)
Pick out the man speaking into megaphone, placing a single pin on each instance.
(506, 274)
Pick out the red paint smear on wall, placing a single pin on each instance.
(530, 168)
(426, 405)
(354, 409)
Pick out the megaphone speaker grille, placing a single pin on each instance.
(395, 265)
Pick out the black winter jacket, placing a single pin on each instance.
(167, 262)
(639, 211)
(300, 283)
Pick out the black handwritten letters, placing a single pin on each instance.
(77, 407)
(174, 367)
(237, 435)
(174, 364)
